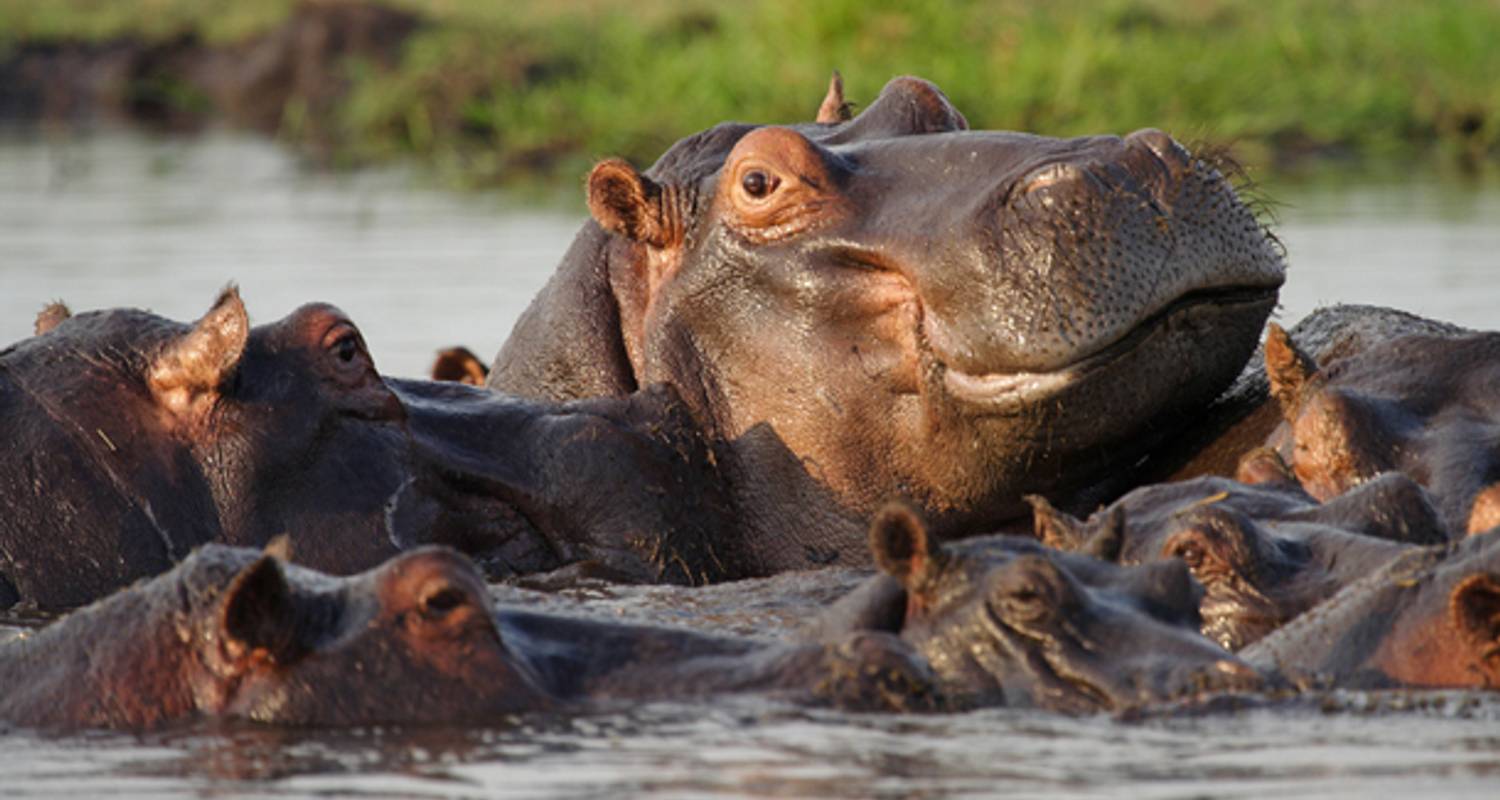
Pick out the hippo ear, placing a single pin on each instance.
(258, 615)
(1474, 608)
(193, 367)
(1056, 529)
(626, 202)
(834, 110)
(51, 316)
(1106, 542)
(459, 365)
(902, 547)
(1289, 369)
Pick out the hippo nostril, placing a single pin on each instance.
(1173, 156)
(1055, 175)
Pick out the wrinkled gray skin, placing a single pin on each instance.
(233, 633)
(1006, 621)
(1428, 619)
(131, 439)
(1263, 554)
(897, 306)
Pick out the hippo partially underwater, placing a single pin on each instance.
(133, 439)
(233, 633)
(756, 343)
(896, 306)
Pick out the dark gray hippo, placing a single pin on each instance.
(131, 439)
(233, 633)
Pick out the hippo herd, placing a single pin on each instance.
(1013, 379)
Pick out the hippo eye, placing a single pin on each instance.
(440, 602)
(1190, 551)
(1028, 602)
(346, 348)
(757, 183)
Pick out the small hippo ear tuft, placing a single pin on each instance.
(51, 316)
(901, 544)
(258, 614)
(1106, 542)
(195, 365)
(834, 109)
(1289, 369)
(459, 365)
(628, 203)
(1056, 529)
(280, 547)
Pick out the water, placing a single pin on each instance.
(121, 219)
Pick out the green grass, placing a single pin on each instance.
(492, 90)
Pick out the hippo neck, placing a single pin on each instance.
(568, 344)
(58, 675)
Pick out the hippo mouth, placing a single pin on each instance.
(1002, 390)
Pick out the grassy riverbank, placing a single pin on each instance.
(487, 91)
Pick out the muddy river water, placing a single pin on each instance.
(122, 219)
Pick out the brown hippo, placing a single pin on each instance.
(131, 439)
(1263, 554)
(235, 633)
(1429, 619)
(1005, 620)
(894, 305)
(1424, 404)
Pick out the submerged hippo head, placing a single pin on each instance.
(1007, 620)
(234, 633)
(1263, 554)
(132, 438)
(1430, 618)
(909, 307)
(1422, 404)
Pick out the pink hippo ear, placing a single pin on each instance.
(902, 547)
(1474, 609)
(258, 618)
(186, 376)
(625, 202)
(1289, 369)
(834, 108)
(51, 316)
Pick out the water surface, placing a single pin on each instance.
(124, 219)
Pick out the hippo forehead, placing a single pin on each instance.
(906, 107)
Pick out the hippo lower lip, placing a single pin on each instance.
(1005, 388)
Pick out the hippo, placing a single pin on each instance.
(1264, 554)
(1422, 404)
(235, 633)
(1004, 620)
(1428, 619)
(133, 439)
(894, 305)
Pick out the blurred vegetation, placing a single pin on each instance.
(489, 91)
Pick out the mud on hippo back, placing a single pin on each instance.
(131, 439)
(894, 305)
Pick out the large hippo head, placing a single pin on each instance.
(908, 307)
(131, 439)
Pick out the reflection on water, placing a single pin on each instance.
(1351, 745)
(120, 219)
